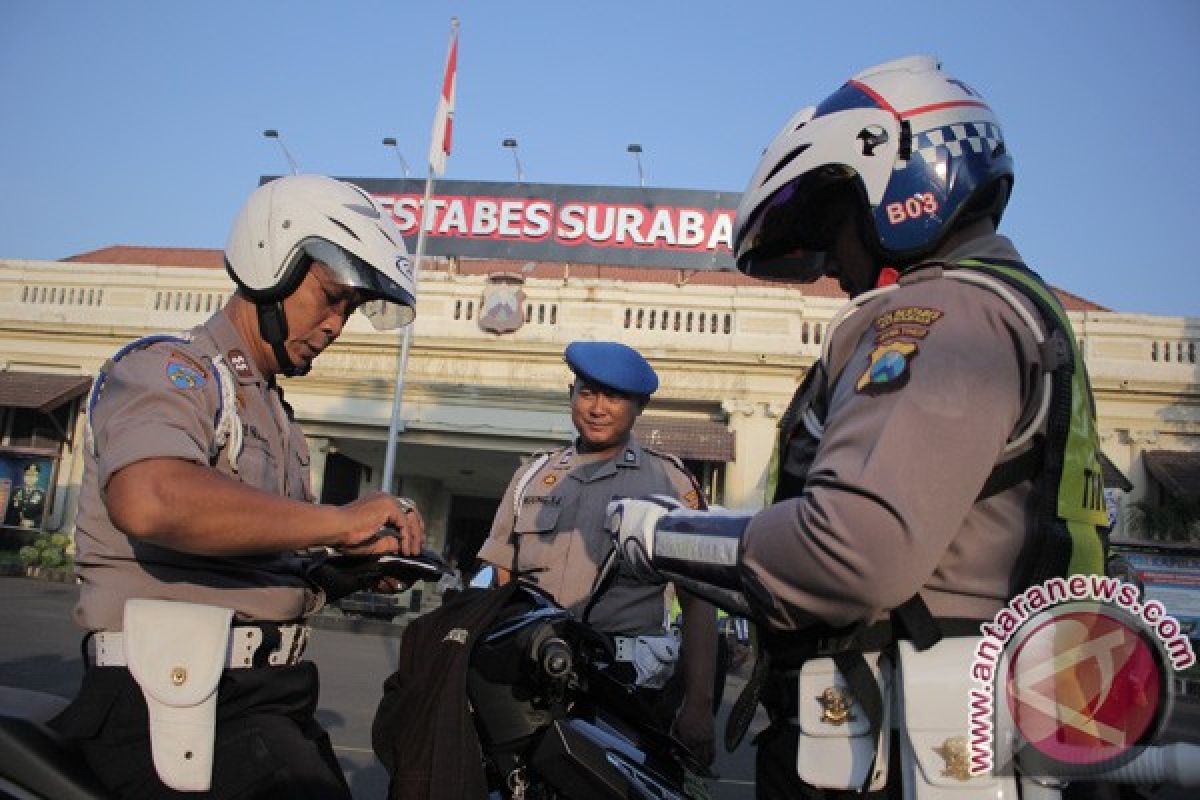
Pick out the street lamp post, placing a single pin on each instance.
(512, 145)
(636, 149)
(390, 142)
(271, 133)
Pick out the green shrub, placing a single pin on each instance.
(1173, 520)
(29, 555)
(52, 557)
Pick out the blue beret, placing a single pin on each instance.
(614, 365)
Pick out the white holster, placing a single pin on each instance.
(835, 744)
(176, 652)
(933, 719)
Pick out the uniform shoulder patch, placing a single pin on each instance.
(183, 375)
(190, 360)
(907, 322)
(888, 369)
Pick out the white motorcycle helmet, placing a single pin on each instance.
(290, 222)
(916, 151)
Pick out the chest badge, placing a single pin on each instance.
(889, 368)
(550, 480)
(237, 360)
(183, 376)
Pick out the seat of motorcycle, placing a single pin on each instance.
(35, 758)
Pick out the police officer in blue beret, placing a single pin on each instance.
(554, 508)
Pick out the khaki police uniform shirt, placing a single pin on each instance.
(563, 543)
(161, 401)
(889, 507)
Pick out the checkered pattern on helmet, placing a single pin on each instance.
(954, 140)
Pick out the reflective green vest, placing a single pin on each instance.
(1072, 476)
(1069, 477)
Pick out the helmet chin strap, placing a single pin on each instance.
(272, 324)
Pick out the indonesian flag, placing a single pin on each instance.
(443, 120)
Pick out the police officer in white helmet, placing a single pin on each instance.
(930, 465)
(196, 498)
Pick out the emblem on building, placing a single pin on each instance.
(502, 309)
(954, 752)
(835, 705)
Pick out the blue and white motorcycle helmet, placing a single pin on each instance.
(921, 150)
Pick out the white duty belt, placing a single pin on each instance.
(244, 643)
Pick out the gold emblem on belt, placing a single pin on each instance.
(954, 752)
(835, 705)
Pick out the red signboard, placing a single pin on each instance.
(619, 225)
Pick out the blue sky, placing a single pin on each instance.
(140, 122)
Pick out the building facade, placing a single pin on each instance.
(486, 384)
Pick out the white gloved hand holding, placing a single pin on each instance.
(631, 523)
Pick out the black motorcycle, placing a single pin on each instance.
(553, 716)
(557, 718)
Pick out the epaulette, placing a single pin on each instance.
(696, 500)
(674, 459)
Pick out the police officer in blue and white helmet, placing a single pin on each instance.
(911, 459)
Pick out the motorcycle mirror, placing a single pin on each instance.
(485, 578)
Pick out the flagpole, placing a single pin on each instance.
(439, 149)
(389, 462)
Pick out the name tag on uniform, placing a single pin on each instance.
(545, 500)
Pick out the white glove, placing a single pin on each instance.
(631, 523)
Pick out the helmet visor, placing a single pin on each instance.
(790, 234)
(388, 305)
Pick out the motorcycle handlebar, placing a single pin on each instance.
(1177, 764)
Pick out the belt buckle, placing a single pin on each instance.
(271, 642)
(623, 646)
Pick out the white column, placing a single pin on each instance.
(755, 425)
(319, 448)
